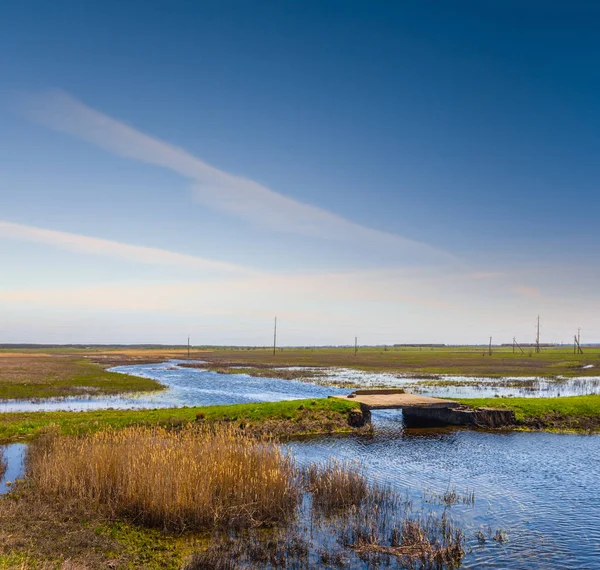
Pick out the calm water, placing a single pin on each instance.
(14, 458)
(539, 488)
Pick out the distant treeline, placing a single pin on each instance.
(26, 345)
(532, 344)
(420, 345)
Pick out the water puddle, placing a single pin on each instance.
(13, 456)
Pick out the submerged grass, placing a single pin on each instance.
(464, 361)
(336, 486)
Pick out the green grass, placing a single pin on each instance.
(17, 426)
(572, 413)
(41, 376)
(467, 361)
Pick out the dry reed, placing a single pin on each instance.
(190, 479)
(335, 486)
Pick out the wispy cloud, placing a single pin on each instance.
(233, 194)
(113, 249)
(527, 291)
(487, 274)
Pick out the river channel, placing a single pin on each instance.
(539, 489)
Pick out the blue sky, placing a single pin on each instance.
(404, 171)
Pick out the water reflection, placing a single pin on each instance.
(464, 386)
(524, 483)
(200, 387)
(13, 456)
(186, 387)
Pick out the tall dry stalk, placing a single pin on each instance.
(336, 485)
(193, 478)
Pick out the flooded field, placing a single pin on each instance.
(185, 387)
(199, 386)
(537, 489)
(452, 386)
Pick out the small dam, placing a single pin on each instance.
(423, 411)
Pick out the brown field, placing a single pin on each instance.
(32, 374)
(468, 361)
(56, 372)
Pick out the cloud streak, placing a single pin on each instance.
(227, 192)
(106, 248)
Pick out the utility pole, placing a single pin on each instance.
(275, 337)
(577, 343)
(188, 347)
(537, 338)
(490, 349)
(355, 345)
(515, 343)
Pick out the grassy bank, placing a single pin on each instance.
(295, 417)
(573, 413)
(39, 375)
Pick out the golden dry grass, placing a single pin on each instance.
(336, 485)
(190, 479)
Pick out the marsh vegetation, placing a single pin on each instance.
(235, 501)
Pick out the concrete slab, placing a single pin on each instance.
(395, 401)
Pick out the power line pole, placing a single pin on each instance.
(355, 345)
(537, 338)
(577, 343)
(490, 348)
(515, 343)
(275, 337)
(188, 347)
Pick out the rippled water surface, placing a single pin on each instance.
(185, 387)
(538, 488)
